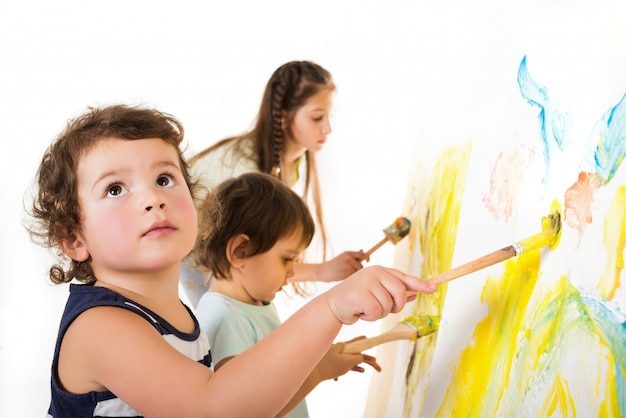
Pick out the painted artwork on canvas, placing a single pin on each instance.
(542, 333)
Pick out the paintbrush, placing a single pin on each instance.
(410, 328)
(548, 237)
(395, 232)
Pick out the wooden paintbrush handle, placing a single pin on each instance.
(377, 246)
(403, 332)
(548, 236)
(475, 265)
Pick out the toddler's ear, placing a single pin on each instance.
(74, 247)
(236, 249)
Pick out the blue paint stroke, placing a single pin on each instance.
(555, 124)
(611, 148)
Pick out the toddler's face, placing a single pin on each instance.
(137, 213)
(265, 274)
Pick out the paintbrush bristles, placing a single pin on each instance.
(423, 324)
(552, 224)
(550, 235)
(393, 233)
(538, 241)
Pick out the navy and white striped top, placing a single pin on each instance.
(106, 404)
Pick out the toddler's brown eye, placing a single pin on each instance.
(115, 190)
(164, 181)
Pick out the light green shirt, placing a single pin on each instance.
(233, 327)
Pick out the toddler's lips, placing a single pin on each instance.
(159, 228)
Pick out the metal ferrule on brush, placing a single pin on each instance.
(518, 248)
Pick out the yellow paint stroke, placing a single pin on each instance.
(437, 221)
(560, 398)
(541, 350)
(614, 239)
(482, 371)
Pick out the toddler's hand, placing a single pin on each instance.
(342, 266)
(335, 363)
(372, 293)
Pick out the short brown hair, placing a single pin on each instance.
(255, 204)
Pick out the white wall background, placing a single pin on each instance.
(206, 63)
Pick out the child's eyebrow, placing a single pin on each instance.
(167, 163)
(296, 252)
(125, 170)
(110, 173)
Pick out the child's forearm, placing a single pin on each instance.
(336, 269)
(309, 384)
(306, 272)
(278, 364)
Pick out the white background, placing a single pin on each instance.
(402, 68)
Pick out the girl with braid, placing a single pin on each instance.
(291, 126)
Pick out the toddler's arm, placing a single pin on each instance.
(291, 352)
(333, 364)
(333, 270)
(120, 351)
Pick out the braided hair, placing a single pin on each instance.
(288, 89)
